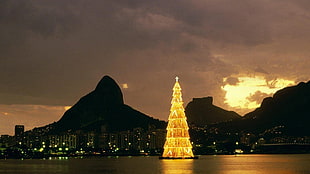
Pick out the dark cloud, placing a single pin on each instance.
(260, 70)
(53, 52)
(257, 97)
(20, 20)
(232, 80)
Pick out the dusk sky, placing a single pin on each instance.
(53, 52)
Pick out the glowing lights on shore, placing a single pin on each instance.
(177, 143)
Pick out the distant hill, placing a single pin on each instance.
(289, 107)
(104, 110)
(201, 111)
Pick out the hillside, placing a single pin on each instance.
(104, 110)
(201, 111)
(289, 107)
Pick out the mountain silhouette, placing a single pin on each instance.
(201, 111)
(289, 107)
(104, 110)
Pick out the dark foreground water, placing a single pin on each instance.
(221, 164)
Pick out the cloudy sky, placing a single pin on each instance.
(53, 52)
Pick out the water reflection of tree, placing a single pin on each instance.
(177, 166)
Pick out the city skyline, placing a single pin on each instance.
(92, 129)
(54, 52)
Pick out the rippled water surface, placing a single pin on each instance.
(221, 164)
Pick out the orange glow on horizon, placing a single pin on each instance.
(67, 108)
(248, 92)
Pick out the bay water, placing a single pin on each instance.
(208, 164)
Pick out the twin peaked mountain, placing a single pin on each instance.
(104, 110)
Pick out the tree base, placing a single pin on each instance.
(194, 157)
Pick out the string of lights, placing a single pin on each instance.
(177, 143)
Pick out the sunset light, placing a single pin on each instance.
(67, 107)
(94, 87)
(248, 92)
(125, 85)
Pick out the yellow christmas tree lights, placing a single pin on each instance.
(177, 145)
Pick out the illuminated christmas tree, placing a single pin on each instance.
(177, 143)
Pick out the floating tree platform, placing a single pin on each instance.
(194, 157)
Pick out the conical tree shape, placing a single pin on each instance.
(177, 143)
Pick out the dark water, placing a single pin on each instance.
(221, 164)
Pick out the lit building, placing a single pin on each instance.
(62, 142)
(138, 139)
(177, 143)
(85, 140)
(19, 130)
(126, 140)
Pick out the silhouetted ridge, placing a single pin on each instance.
(104, 109)
(289, 107)
(201, 111)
